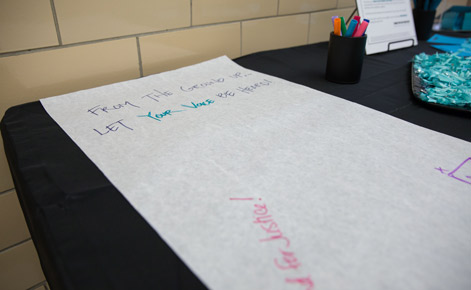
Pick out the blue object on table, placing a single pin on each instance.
(443, 80)
(457, 18)
(451, 48)
(439, 38)
(458, 45)
(466, 21)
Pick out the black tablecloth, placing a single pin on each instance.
(89, 237)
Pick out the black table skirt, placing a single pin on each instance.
(86, 233)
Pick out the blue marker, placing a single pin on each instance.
(351, 28)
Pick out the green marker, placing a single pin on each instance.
(343, 27)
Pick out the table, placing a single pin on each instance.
(86, 233)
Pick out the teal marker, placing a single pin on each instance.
(351, 28)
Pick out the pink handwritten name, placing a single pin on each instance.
(287, 259)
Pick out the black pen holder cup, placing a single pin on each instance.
(423, 20)
(345, 59)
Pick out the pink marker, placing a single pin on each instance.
(361, 30)
(358, 19)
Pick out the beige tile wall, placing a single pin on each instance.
(215, 11)
(86, 20)
(11, 221)
(51, 47)
(274, 32)
(19, 263)
(17, 34)
(170, 50)
(20, 267)
(298, 6)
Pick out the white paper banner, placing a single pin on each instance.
(259, 183)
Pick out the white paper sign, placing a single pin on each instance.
(259, 183)
(391, 24)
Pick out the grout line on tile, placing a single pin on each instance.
(139, 57)
(55, 47)
(240, 39)
(14, 245)
(56, 22)
(288, 14)
(278, 8)
(191, 13)
(7, 191)
(308, 28)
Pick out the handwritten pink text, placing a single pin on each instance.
(286, 260)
